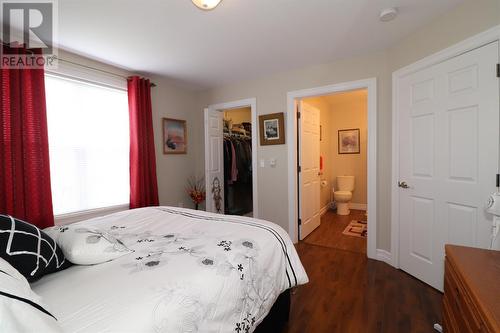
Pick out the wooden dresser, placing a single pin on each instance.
(471, 301)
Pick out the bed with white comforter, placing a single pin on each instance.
(189, 271)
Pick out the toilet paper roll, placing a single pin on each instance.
(324, 183)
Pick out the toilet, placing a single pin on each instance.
(343, 195)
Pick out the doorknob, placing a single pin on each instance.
(403, 185)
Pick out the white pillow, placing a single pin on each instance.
(21, 310)
(87, 245)
(8, 269)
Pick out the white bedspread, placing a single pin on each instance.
(191, 272)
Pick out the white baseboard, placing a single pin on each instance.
(357, 206)
(385, 256)
(324, 210)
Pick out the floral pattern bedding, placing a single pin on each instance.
(189, 271)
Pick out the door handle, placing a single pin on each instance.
(403, 185)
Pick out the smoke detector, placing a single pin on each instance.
(388, 14)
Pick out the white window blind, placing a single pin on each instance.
(89, 141)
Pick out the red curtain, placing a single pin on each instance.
(143, 184)
(24, 148)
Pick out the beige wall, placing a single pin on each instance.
(469, 18)
(239, 115)
(466, 20)
(173, 171)
(343, 111)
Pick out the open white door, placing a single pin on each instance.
(448, 158)
(214, 161)
(309, 176)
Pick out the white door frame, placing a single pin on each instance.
(467, 45)
(252, 103)
(291, 120)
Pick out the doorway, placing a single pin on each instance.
(231, 133)
(297, 210)
(332, 132)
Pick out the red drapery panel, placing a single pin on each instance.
(24, 148)
(143, 183)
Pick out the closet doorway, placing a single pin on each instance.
(231, 134)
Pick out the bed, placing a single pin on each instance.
(189, 271)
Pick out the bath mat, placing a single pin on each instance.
(356, 229)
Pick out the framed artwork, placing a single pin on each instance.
(349, 141)
(272, 129)
(174, 136)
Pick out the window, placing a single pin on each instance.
(88, 129)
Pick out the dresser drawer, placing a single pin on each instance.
(460, 303)
(454, 306)
(471, 301)
(449, 322)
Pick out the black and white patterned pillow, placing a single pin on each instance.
(28, 249)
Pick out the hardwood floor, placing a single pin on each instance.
(330, 234)
(349, 293)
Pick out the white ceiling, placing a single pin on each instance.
(239, 40)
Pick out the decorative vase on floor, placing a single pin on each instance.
(196, 191)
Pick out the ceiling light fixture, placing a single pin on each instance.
(206, 4)
(388, 14)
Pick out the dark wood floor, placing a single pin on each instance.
(330, 234)
(349, 293)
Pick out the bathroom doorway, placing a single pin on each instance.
(333, 132)
(333, 152)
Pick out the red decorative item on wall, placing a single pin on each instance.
(143, 183)
(24, 148)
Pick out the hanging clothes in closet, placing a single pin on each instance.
(237, 174)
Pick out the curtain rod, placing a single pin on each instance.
(85, 66)
(97, 69)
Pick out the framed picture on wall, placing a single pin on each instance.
(349, 141)
(174, 136)
(272, 129)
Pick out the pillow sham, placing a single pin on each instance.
(21, 310)
(28, 249)
(7, 269)
(87, 245)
